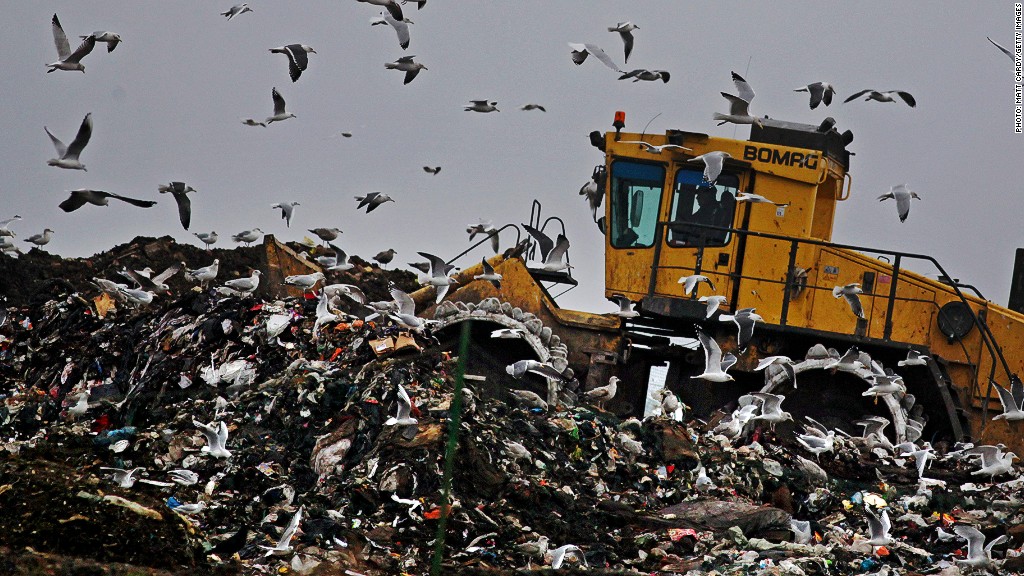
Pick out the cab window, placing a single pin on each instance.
(696, 201)
(635, 199)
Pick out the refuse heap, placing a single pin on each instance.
(308, 433)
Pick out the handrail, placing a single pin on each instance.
(487, 238)
(988, 339)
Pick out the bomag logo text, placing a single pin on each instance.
(773, 156)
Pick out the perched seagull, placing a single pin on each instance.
(784, 361)
(403, 416)
(739, 106)
(482, 106)
(438, 277)
(902, 195)
(180, 192)
(602, 394)
(279, 108)
(519, 369)
(408, 65)
(432, 170)
(713, 162)
(1002, 49)
(111, 39)
(326, 234)
(850, 292)
(484, 227)
(391, 5)
(979, 555)
(745, 320)
(124, 478)
(284, 545)
(489, 274)
(1012, 401)
(820, 92)
(528, 107)
(247, 236)
(287, 208)
(245, 285)
(204, 274)
(625, 30)
(878, 528)
(690, 283)
(40, 239)
(236, 10)
(84, 196)
(647, 75)
(137, 296)
(68, 155)
(372, 201)
(713, 370)
(713, 303)
(625, 307)
(253, 122)
(298, 58)
(915, 358)
(69, 60)
(401, 27)
(652, 149)
(756, 199)
(216, 438)
(184, 477)
(304, 281)
(581, 51)
(385, 257)
(208, 238)
(884, 96)
(5, 226)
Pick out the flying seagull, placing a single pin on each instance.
(67, 156)
(484, 227)
(713, 162)
(432, 170)
(713, 370)
(820, 92)
(489, 274)
(286, 211)
(284, 545)
(651, 148)
(482, 106)
(236, 10)
(713, 303)
(739, 106)
(253, 122)
(408, 65)
(1002, 49)
(625, 30)
(69, 60)
(850, 292)
(884, 96)
(784, 361)
(372, 200)
(84, 196)
(902, 195)
(581, 51)
(438, 277)
(519, 369)
(915, 358)
(528, 107)
(552, 252)
(1012, 401)
(745, 321)
(180, 192)
(625, 307)
(401, 27)
(979, 555)
(156, 283)
(111, 39)
(403, 417)
(646, 75)
(279, 108)
(690, 283)
(298, 58)
(391, 5)
(757, 199)
(878, 528)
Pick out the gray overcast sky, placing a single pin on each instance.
(167, 105)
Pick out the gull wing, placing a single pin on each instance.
(544, 241)
(975, 539)
(1006, 399)
(488, 269)
(994, 43)
(1017, 389)
(278, 103)
(81, 139)
(404, 301)
(627, 40)
(170, 271)
(289, 530)
(60, 40)
(857, 95)
(395, 10)
(737, 106)
(745, 91)
(74, 202)
(558, 252)
(401, 28)
(602, 56)
(437, 265)
(404, 403)
(817, 91)
(906, 97)
(410, 75)
(61, 148)
(712, 352)
(132, 201)
(84, 48)
(297, 60)
(772, 402)
(184, 209)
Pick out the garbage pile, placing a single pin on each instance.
(213, 434)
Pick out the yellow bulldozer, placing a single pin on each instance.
(762, 235)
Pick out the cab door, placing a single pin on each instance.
(635, 191)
